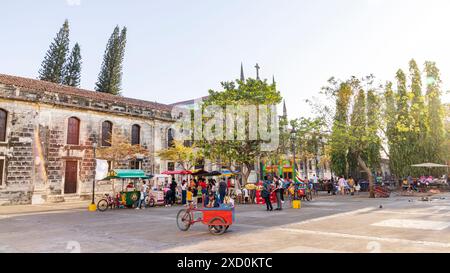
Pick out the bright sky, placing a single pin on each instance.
(179, 49)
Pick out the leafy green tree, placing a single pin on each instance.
(72, 69)
(447, 134)
(435, 137)
(355, 140)
(373, 129)
(310, 138)
(403, 127)
(185, 156)
(390, 127)
(241, 153)
(357, 131)
(53, 65)
(110, 77)
(418, 115)
(339, 148)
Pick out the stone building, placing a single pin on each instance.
(47, 131)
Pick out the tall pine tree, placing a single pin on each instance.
(72, 69)
(418, 116)
(403, 127)
(53, 65)
(390, 117)
(373, 126)
(435, 136)
(339, 148)
(357, 144)
(110, 77)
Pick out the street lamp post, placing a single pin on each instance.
(92, 206)
(293, 138)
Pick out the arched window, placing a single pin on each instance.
(135, 134)
(3, 119)
(73, 131)
(170, 137)
(106, 133)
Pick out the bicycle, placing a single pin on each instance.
(106, 202)
(218, 220)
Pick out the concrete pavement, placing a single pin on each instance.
(328, 224)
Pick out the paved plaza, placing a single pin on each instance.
(328, 224)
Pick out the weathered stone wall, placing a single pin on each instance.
(18, 152)
(36, 149)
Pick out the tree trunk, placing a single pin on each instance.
(363, 165)
(245, 173)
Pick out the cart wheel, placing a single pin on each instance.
(217, 226)
(184, 220)
(226, 228)
(102, 205)
(151, 202)
(147, 201)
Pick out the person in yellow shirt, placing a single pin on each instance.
(189, 196)
(351, 184)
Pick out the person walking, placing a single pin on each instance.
(265, 193)
(315, 182)
(278, 193)
(222, 190)
(184, 187)
(341, 185)
(173, 188)
(144, 189)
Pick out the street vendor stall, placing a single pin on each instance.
(156, 196)
(130, 194)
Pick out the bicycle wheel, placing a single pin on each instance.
(184, 220)
(309, 196)
(217, 226)
(102, 205)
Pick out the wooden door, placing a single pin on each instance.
(71, 177)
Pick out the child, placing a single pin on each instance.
(229, 202)
(212, 202)
(189, 196)
(168, 198)
(357, 188)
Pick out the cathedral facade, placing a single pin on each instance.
(47, 132)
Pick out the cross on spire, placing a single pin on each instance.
(257, 71)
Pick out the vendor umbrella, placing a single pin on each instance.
(200, 172)
(213, 173)
(229, 173)
(182, 172)
(429, 166)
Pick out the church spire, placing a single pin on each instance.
(284, 109)
(273, 80)
(242, 73)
